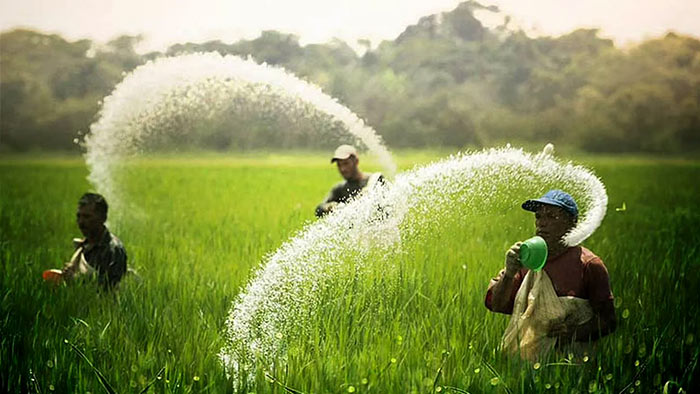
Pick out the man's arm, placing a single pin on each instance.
(604, 321)
(70, 268)
(115, 269)
(325, 208)
(329, 202)
(501, 293)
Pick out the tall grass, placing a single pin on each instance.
(195, 228)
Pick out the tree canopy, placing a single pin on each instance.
(445, 81)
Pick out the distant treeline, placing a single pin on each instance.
(447, 81)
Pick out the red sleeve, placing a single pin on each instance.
(517, 281)
(597, 282)
(600, 296)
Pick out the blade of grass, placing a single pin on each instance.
(148, 386)
(99, 374)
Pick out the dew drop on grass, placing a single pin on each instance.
(49, 364)
(609, 377)
(477, 370)
(365, 381)
(548, 386)
(51, 387)
(618, 302)
(642, 351)
(196, 378)
(636, 363)
(585, 359)
(438, 389)
(494, 381)
(625, 313)
(592, 386)
(351, 389)
(393, 360)
(536, 366)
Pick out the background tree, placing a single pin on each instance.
(445, 81)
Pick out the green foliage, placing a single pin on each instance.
(197, 226)
(51, 88)
(577, 90)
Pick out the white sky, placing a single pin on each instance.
(164, 22)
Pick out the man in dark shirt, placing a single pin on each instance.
(573, 270)
(100, 251)
(345, 157)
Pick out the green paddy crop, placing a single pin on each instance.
(196, 227)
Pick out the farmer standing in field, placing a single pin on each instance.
(347, 160)
(100, 252)
(566, 304)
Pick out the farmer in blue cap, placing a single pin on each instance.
(578, 278)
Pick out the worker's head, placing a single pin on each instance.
(556, 213)
(345, 157)
(91, 214)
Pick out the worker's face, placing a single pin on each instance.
(552, 223)
(348, 167)
(89, 220)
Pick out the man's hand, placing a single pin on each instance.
(513, 260)
(503, 286)
(563, 330)
(329, 206)
(68, 272)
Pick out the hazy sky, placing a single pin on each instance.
(164, 22)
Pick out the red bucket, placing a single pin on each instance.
(54, 276)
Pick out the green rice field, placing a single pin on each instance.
(196, 227)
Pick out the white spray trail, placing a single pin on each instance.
(285, 291)
(173, 95)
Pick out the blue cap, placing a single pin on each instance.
(556, 198)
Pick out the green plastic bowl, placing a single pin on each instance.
(533, 253)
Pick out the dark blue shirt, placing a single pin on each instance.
(108, 257)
